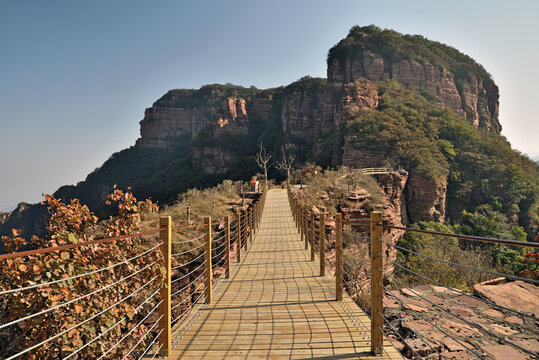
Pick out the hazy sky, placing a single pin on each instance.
(75, 77)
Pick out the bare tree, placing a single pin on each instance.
(286, 163)
(262, 158)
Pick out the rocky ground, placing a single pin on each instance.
(435, 313)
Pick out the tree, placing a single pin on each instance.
(262, 158)
(286, 163)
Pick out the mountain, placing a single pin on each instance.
(389, 99)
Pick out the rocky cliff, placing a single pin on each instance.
(452, 78)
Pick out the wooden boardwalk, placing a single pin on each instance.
(276, 306)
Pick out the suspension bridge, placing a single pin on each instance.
(256, 285)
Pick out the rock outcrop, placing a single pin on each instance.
(425, 198)
(470, 93)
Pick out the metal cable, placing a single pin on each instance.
(355, 259)
(357, 236)
(396, 332)
(188, 311)
(79, 324)
(416, 334)
(152, 344)
(74, 300)
(189, 262)
(464, 320)
(144, 336)
(188, 251)
(133, 329)
(187, 298)
(113, 326)
(186, 286)
(220, 254)
(365, 274)
(432, 324)
(80, 275)
(461, 292)
(189, 273)
(157, 351)
(463, 266)
(190, 240)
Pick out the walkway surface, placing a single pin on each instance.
(276, 306)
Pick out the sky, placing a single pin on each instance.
(75, 77)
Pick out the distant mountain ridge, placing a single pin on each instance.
(389, 99)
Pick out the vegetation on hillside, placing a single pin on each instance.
(480, 168)
(372, 41)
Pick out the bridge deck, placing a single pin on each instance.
(275, 306)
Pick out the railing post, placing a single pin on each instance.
(306, 226)
(322, 235)
(312, 235)
(298, 215)
(245, 239)
(238, 236)
(338, 256)
(254, 217)
(227, 251)
(377, 291)
(251, 225)
(208, 265)
(165, 237)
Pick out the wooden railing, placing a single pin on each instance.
(311, 226)
(171, 306)
(375, 171)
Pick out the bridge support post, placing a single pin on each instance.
(338, 256)
(208, 265)
(312, 235)
(322, 243)
(165, 236)
(377, 291)
(227, 251)
(238, 236)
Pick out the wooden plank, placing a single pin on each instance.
(275, 305)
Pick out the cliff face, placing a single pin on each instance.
(455, 80)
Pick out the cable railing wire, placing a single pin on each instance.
(188, 285)
(112, 326)
(462, 319)
(144, 336)
(429, 322)
(461, 292)
(152, 343)
(190, 240)
(189, 262)
(188, 251)
(189, 273)
(187, 297)
(74, 300)
(512, 277)
(130, 331)
(80, 275)
(79, 324)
